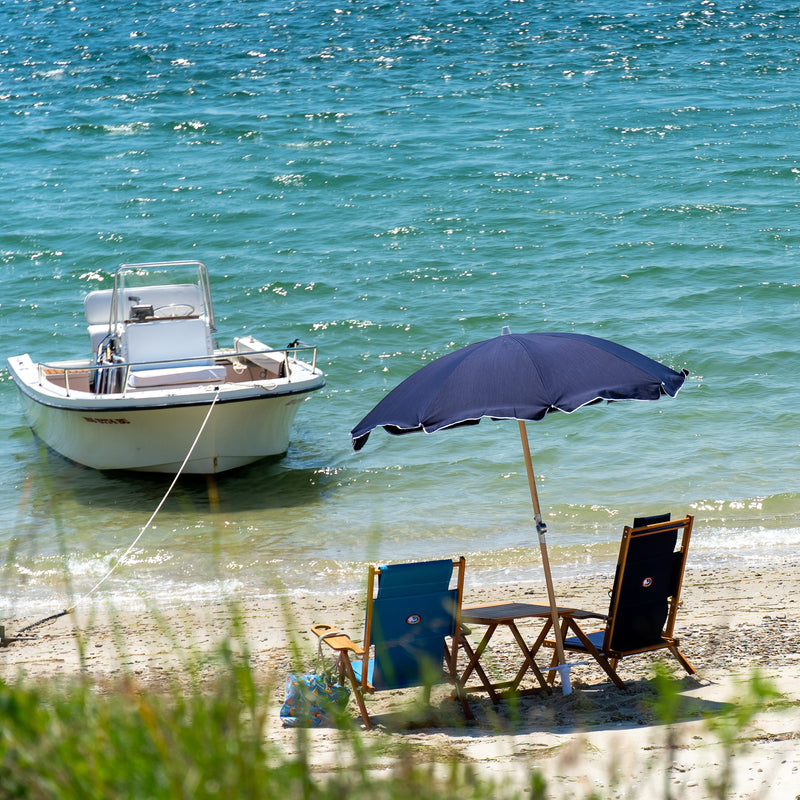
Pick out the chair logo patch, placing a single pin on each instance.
(647, 583)
(414, 619)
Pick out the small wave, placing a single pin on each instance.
(122, 129)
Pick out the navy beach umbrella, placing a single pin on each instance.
(522, 377)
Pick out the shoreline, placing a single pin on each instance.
(29, 601)
(732, 621)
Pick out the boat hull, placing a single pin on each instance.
(155, 433)
(159, 439)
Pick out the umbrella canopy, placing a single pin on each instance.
(522, 377)
(518, 376)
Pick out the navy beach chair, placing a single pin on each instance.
(644, 599)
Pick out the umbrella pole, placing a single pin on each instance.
(541, 530)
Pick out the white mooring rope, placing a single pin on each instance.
(141, 532)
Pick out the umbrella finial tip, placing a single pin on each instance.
(506, 331)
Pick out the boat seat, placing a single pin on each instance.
(187, 341)
(148, 378)
(97, 307)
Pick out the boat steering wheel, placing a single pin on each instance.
(173, 310)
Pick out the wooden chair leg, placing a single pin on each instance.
(451, 658)
(346, 668)
(359, 695)
(608, 666)
(682, 660)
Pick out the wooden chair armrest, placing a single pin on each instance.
(335, 639)
(577, 613)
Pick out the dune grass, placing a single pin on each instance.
(79, 739)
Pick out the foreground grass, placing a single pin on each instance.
(76, 742)
(81, 740)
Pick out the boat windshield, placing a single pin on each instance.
(168, 289)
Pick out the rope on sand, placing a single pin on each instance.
(5, 642)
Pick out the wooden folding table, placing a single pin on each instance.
(493, 615)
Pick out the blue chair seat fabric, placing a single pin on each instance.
(358, 670)
(596, 638)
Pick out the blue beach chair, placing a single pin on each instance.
(406, 629)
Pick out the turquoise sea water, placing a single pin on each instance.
(390, 181)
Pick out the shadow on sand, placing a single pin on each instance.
(597, 706)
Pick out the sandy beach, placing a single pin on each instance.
(733, 621)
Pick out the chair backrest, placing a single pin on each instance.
(647, 585)
(407, 622)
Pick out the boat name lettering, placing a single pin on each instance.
(104, 421)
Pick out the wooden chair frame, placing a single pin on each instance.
(344, 646)
(603, 652)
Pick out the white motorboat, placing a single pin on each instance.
(141, 400)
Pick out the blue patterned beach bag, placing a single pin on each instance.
(311, 699)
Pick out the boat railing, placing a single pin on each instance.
(287, 356)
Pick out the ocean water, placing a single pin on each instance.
(390, 181)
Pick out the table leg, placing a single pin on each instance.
(565, 625)
(474, 663)
(529, 662)
(533, 651)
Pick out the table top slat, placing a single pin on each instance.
(504, 612)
